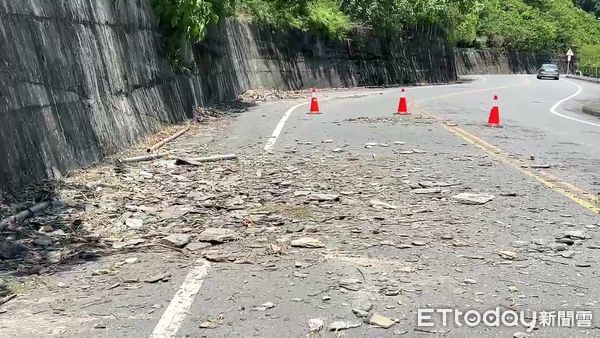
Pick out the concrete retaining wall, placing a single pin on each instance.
(470, 62)
(82, 79)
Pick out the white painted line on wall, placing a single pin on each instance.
(279, 128)
(553, 109)
(175, 314)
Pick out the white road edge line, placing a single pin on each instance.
(553, 109)
(174, 315)
(279, 128)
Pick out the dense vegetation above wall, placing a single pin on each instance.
(530, 25)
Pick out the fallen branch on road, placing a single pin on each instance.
(168, 139)
(22, 215)
(144, 158)
(198, 161)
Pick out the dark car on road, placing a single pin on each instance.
(548, 70)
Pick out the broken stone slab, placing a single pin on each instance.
(217, 256)
(131, 260)
(265, 306)
(43, 241)
(158, 278)
(473, 199)
(431, 184)
(567, 254)
(307, 242)
(302, 193)
(197, 246)
(177, 240)
(381, 321)
(382, 205)
(508, 255)
(292, 228)
(315, 325)
(575, 234)
(427, 191)
(360, 313)
(131, 242)
(217, 235)
(135, 223)
(337, 326)
(324, 197)
(351, 284)
(518, 244)
(558, 246)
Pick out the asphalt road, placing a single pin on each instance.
(561, 143)
(422, 249)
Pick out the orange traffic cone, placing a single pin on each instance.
(402, 107)
(314, 103)
(494, 120)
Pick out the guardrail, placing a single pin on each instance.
(583, 78)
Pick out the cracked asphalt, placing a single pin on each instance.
(374, 190)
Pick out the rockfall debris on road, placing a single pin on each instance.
(345, 240)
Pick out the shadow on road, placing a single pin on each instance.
(46, 242)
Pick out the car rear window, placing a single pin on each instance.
(550, 66)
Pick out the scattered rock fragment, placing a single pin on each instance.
(407, 269)
(575, 234)
(135, 223)
(567, 254)
(473, 199)
(131, 260)
(217, 235)
(427, 191)
(508, 255)
(382, 205)
(197, 246)
(350, 284)
(381, 321)
(43, 241)
(518, 244)
(164, 277)
(307, 242)
(315, 325)
(209, 325)
(216, 256)
(302, 193)
(293, 228)
(558, 246)
(324, 197)
(265, 306)
(360, 313)
(177, 240)
(337, 326)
